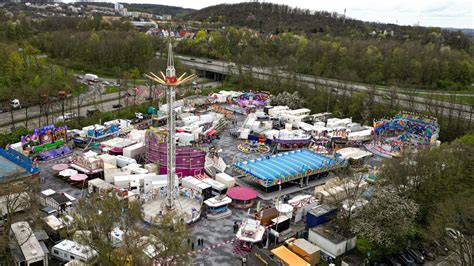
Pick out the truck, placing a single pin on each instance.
(91, 77)
(225, 179)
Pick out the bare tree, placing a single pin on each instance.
(15, 196)
(345, 194)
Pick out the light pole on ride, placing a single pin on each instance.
(170, 82)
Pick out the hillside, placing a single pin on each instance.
(274, 18)
(159, 9)
(148, 8)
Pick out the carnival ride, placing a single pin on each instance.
(393, 136)
(171, 82)
(251, 99)
(284, 167)
(253, 147)
(45, 143)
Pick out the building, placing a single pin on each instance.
(118, 7)
(27, 250)
(332, 242)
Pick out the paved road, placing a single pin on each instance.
(93, 98)
(381, 95)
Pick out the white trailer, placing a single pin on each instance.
(195, 184)
(125, 181)
(111, 173)
(217, 187)
(134, 151)
(68, 250)
(156, 181)
(91, 77)
(99, 185)
(225, 179)
(124, 161)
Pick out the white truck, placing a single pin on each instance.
(91, 77)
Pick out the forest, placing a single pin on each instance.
(407, 63)
(89, 44)
(273, 18)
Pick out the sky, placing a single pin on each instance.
(442, 13)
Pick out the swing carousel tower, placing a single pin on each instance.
(170, 82)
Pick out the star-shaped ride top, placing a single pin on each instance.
(170, 78)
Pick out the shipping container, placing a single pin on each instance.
(319, 215)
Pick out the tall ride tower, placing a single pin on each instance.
(171, 82)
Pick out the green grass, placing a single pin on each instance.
(142, 82)
(110, 89)
(82, 89)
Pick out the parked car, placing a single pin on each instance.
(209, 61)
(105, 82)
(193, 59)
(405, 259)
(3, 110)
(117, 105)
(15, 104)
(427, 253)
(67, 117)
(416, 255)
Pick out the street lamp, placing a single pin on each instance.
(62, 96)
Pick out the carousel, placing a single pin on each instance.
(404, 131)
(253, 147)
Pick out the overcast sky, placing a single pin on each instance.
(443, 13)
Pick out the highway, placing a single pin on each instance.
(91, 99)
(381, 95)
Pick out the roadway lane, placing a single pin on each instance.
(381, 95)
(101, 102)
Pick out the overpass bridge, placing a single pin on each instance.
(217, 69)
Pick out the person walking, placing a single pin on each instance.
(192, 246)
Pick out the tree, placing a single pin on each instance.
(387, 220)
(353, 188)
(100, 215)
(172, 247)
(430, 175)
(453, 221)
(16, 195)
(292, 100)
